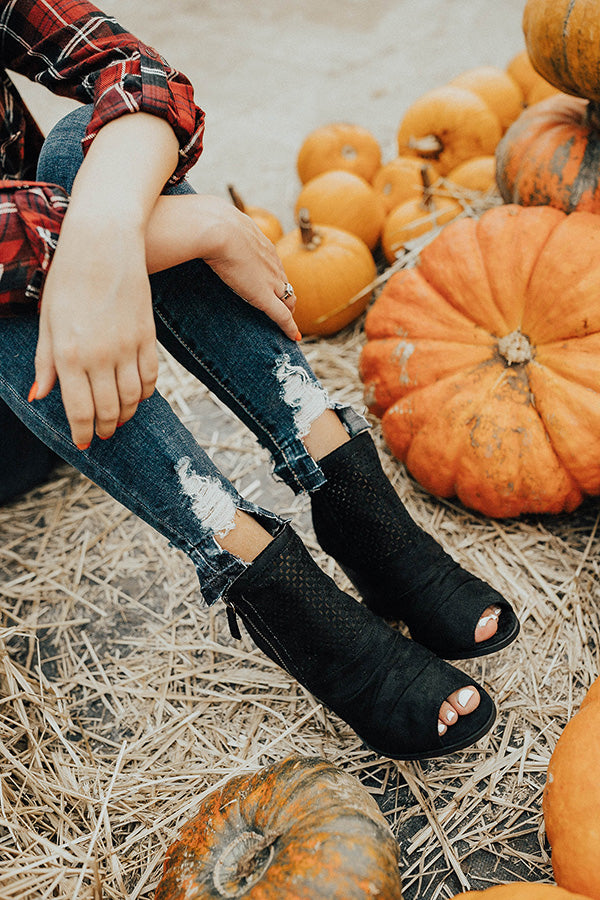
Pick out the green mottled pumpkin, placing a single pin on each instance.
(300, 829)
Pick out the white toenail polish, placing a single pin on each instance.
(464, 696)
(451, 715)
(496, 610)
(484, 620)
(441, 728)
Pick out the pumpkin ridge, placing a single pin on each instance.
(565, 40)
(576, 452)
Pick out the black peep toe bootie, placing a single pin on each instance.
(401, 572)
(386, 687)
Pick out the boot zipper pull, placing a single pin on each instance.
(234, 628)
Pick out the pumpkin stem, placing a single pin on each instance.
(592, 115)
(427, 200)
(429, 147)
(515, 348)
(310, 238)
(243, 863)
(237, 200)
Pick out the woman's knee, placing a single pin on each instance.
(61, 154)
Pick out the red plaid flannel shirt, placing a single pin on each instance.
(76, 51)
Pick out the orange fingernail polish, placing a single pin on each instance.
(298, 337)
(33, 392)
(83, 446)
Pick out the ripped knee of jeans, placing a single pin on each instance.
(306, 397)
(211, 503)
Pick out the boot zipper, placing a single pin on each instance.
(234, 628)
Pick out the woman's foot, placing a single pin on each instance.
(403, 701)
(401, 572)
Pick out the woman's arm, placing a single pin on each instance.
(77, 51)
(96, 324)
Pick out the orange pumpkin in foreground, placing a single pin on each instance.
(572, 800)
(299, 829)
(521, 890)
(484, 361)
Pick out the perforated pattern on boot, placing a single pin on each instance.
(295, 603)
(358, 515)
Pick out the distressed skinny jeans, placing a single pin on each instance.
(153, 465)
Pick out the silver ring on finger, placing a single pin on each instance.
(288, 290)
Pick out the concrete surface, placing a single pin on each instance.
(266, 73)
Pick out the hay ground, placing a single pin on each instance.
(124, 700)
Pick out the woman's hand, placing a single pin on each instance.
(97, 331)
(96, 322)
(200, 225)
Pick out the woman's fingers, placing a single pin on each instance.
(147, 365)
(107, 405)
(129, 387)
(78, 402)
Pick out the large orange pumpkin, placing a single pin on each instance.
(484, 361)
(301, 829)
(572, 800)
(551, 155)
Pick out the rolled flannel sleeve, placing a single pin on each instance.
(31, 215)
(78, 51)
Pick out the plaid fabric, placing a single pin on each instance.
(76, 51)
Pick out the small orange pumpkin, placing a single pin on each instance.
(571, 800)
(448, 125)
(562, 38)
(496, 88)
(533, 86)
(400, 180)
(521, 890)
(267, 221)
(345, 201)
(550, 156)
(484, 361)
(332, 272)
(298, 828)
(340, 145)
(477, 174)
(415, 217)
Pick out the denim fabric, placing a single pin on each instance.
(153, 465)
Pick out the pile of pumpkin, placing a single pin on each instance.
(446, 142)
(303, 828)
(483, 360)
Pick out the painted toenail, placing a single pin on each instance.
(451, 715)
(464, 696)
(485, 619)
(441, 727)
(496, 610)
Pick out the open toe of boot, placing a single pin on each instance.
(441, 608)
(388, 688)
